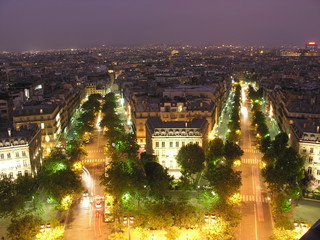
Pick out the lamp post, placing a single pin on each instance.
(209, 218)
(129, 221)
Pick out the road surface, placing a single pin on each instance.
(256, 223)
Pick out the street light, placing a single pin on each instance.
(209, 218)
(128, 220)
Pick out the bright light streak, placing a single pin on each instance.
(244, 111)
(98, 121)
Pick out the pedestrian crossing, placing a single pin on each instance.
(254, 198)
(95, 151)
(250, 161)
(250, 150)
(93, 160)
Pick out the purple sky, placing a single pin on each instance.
(44, 24)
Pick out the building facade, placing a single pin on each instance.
(164, 139)
(20, 151)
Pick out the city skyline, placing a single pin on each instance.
(39, 25)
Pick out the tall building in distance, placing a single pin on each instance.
(312, 46)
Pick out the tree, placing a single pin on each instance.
(158, 178)
(24, 228)
(232, 151)
(265, 144)
(191, 158)
(215, 150)
(11, 203)
(224, 180)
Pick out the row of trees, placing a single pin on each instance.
(282, 168)
(85, 122)
(234, 122)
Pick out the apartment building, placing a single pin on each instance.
(20, 151)
(164, 139)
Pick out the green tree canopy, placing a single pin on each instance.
(215, 150)
(224, 180)
(24, 228)
(191, 158)
(158, 178)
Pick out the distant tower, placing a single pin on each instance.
(312, 47)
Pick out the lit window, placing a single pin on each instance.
(42, 125)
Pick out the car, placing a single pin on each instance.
(86, 193)
(98, 205)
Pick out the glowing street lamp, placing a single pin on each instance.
(209, 218)
(129, 221)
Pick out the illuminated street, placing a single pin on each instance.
(256, 223)
(85, 221)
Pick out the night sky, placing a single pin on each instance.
(46, 24)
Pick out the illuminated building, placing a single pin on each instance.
(182, 103)
(306, 138)
(311, 49)
(312, 46)
(20, 151)
(48, 117)
(164, 139)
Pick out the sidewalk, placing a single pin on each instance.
(307, 210)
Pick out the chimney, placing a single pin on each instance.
(9, 132)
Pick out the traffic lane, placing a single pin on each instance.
(248, 225)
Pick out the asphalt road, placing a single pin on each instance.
(256, 223)
(85, 221)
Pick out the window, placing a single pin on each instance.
(19, 173)
(2, 156)
(171, 144)
(42, 125)
(11, 175)
(171, 164)
(309, 170)
(304, 150)
(183, 143)
(163, 144)
(17, 154)
(318, 172)
(26, 173)
(18, 163)
(23, 153)
(310, 159)
(24, 162)
(197, 143)
(163, 163)
(157, 144)
(311, 150)
(8, 155)
(177, 144)
(163, 153)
